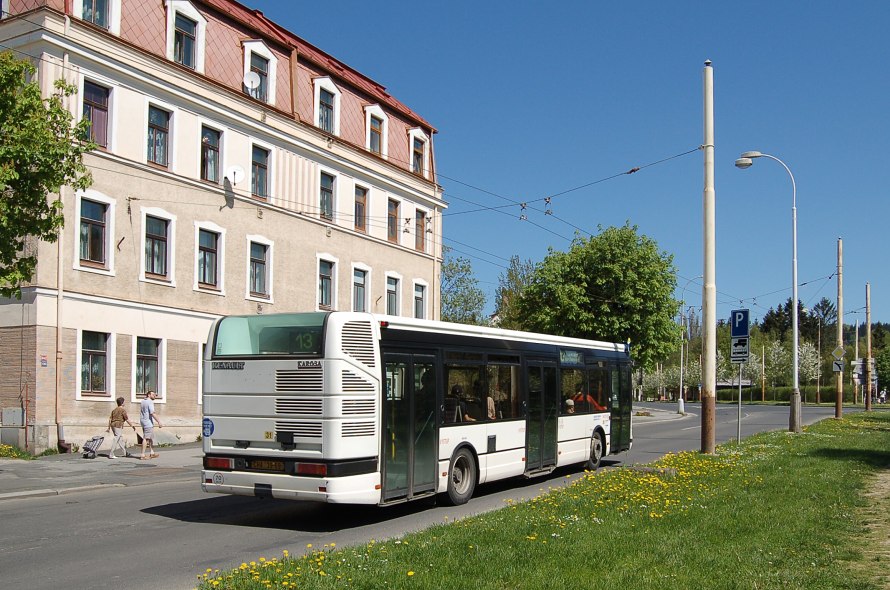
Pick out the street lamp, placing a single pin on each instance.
(746, 160)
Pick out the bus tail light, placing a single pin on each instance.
(219, 463)
(319, 469)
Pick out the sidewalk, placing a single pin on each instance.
(64, 474)
(657, 412)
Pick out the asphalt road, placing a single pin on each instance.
(164, 534)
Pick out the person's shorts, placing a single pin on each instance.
(148, 432)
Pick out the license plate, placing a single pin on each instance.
(267, 465)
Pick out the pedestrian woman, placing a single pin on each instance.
(116, 424)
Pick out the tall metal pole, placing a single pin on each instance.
(794, 420)
(839, 396)
(709, 286)
(867, 390)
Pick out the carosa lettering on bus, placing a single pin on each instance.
(308, 364)
(228, 366)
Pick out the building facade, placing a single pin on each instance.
(240, 170)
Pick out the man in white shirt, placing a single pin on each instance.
(147, 418)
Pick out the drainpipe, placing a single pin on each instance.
(60, 429)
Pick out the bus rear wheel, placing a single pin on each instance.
(461, 477)
(597, 448)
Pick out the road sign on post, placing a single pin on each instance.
(739, 336)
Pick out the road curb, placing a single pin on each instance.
(59, 492)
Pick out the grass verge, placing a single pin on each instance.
(778, 511)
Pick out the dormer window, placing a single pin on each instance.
(186, 28)
(327, 105)
(102, 13)
(326, 110)
(260, 65)
(184, 37)
(419, 144)
(376, 130)
(96, 12)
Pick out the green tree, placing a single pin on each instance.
(40, 151)
(616, 286)
(511, 284)
(882, 366)
(462, 299)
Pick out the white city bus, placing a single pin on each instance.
(367, 409)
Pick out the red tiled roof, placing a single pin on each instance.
(256, 20)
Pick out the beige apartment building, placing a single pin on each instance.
(241, 170)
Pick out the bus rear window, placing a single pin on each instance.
(278, 334)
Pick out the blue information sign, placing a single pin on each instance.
(738, 323)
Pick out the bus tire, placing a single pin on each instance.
(461, 477)
(597, 448)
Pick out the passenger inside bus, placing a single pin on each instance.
(460, 412)
(570, 406)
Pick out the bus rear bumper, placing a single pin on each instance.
(353, 489)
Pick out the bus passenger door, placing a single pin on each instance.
(409, 425)
(542, 414)
(622, 396)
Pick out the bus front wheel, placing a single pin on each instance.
(461, 477)
(597, 447)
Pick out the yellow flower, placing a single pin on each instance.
(410, 573)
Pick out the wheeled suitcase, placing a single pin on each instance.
(92, 446)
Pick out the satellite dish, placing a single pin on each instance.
(235, 174)
(251, 80)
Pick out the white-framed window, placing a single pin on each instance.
(186, 30)
(419, 148)
(99, 108)
(392, 220)
(210, 261)
(4, 9)
(96, 361)
(260, 171)
(327, 282)
(360, 208)
(211, 153)
(327, 194)
(393, 294)
(361, 287)
(420, 226)
(158, 260)
(94, 223)
(420, 291)
(327, 105)
(159, 135)
(258, 58)
(102, 13)
(148, 372)
(377, 131)
(259, 269)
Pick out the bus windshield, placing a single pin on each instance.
(280, 334)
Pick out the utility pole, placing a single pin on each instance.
(867, 389)
(709, 285)
(839, 396)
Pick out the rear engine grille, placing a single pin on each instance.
(355, 407)
(309, 380)
(358, 429)
(300, 429)
(356, 384)
(358, 342)
(296, 405)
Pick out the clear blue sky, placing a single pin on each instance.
(532, 99)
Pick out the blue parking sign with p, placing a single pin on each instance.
(738, 323)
